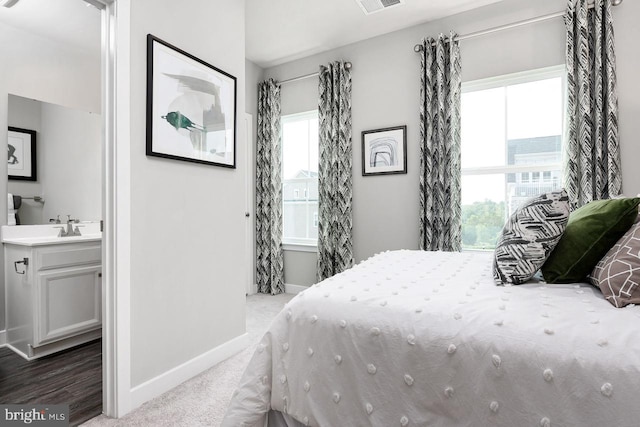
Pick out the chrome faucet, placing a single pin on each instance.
(70, 230)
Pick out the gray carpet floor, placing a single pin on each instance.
(203, 400)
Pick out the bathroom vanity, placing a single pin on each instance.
(53, 288)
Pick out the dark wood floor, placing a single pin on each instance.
(72, 377)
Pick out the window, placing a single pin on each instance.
(511, 148)
(300, 177)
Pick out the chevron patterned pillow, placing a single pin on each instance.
(618, 273)
(529, 236)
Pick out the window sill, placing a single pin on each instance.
(299, 247)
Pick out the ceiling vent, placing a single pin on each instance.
(373, 6)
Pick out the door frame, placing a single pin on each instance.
(116, 346)
(250, 244)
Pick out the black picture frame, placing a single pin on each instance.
(384, 151)
(191, 107)
(22, 164)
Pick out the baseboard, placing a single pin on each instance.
(294, 289)
(176, 376)
(3, 338)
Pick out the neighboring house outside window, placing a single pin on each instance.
(512, 129)
(300, 178)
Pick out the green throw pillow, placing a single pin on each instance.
(591, 231)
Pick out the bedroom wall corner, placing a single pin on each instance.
(386, 93)
(187, 256)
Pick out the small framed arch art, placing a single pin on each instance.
(384, 151)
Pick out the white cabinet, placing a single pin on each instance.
(53, 296)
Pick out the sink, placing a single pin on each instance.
(47, 234)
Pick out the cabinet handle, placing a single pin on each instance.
(24, 261)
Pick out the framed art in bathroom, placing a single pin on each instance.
(191, 107)
(384, 151)
(22, 164)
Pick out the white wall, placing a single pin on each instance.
(187, 220)
(386, 93)
(628, 61)
(38, 68)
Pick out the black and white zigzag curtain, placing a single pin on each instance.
(270, 262)
(440, 192)
(592, 169)
(335, 246)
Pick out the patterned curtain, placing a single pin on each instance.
(335, 246)
(440, 210)
(592, 169)
(270, 263)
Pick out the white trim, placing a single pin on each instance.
(120, 197)
(250, 181)
(516, 78)
(115, 297)
(299, 247)
(490, 170)
(297, 117)
(176, 376)
(3, 338)
(294, 289)
(116, 346)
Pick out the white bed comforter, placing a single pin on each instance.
(411, 338)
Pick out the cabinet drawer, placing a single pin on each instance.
(60, 257)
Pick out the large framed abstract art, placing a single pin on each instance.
(191, 107)
(384, 151)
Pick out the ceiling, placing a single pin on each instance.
(69, 22)
(277, 31)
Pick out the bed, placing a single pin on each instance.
(413, 338)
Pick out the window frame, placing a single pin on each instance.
(514, 79)
(294, 243)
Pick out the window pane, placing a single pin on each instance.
(517, 130)
(483, 128)
(542, 150)
(534, 109)
(521, 190)
(295, 148)
(483, 210)
(487, 201)
(300, 178)
(313, 145)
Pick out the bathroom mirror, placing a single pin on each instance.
(68, 162)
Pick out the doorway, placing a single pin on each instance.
(105, 23)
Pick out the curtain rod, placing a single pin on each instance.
(418, 47)
(347, 65)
